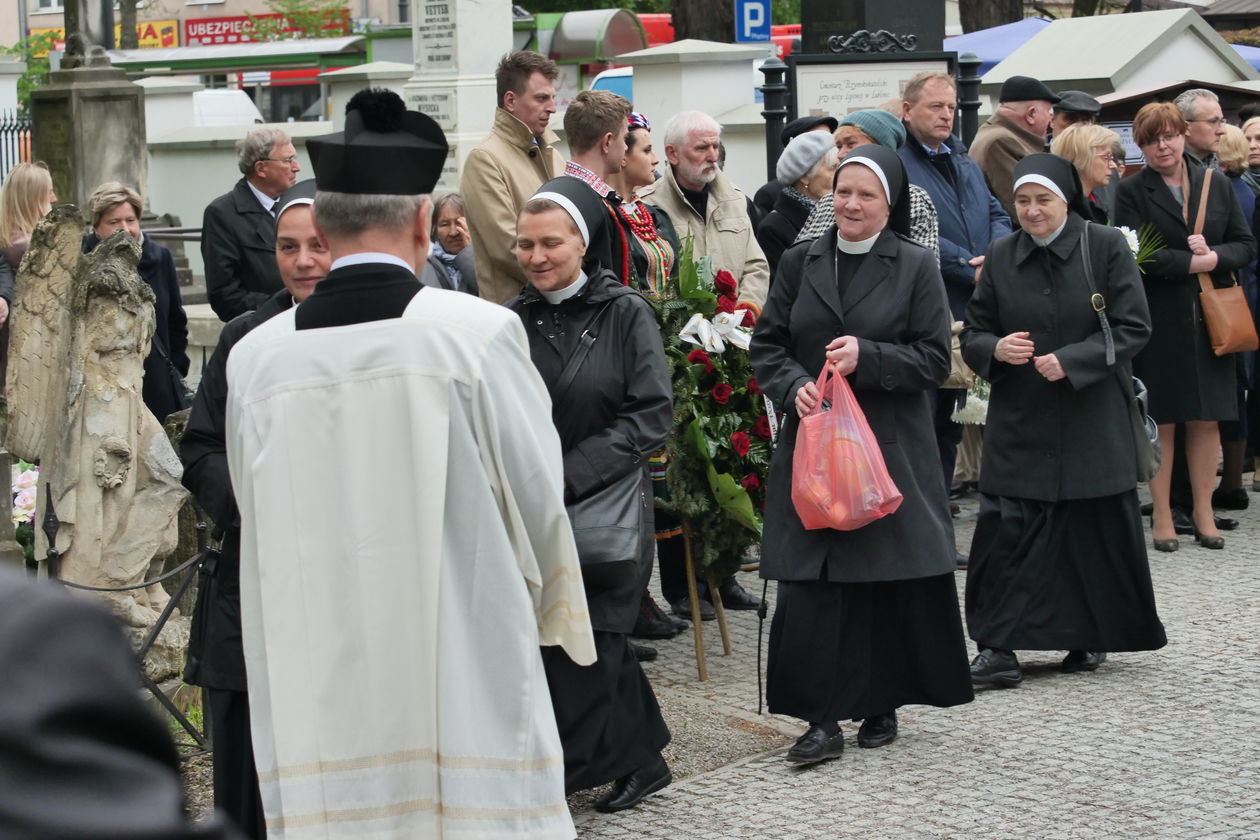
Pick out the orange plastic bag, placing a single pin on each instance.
(839, 479)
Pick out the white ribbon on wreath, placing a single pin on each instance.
(714, 335)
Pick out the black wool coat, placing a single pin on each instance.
(157, 268)
(215, 658)
(238, 245)
(618, 410)
(777, 231)
(1185, 379)
(1070, 439)
(895, 304)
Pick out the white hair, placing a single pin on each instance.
(1188, 101)
(686, 123)
(349, 214)
(257, 145)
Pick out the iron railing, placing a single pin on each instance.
(15, 140)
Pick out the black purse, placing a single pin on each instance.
(609, 525)
(183, 396)
(1145, 431)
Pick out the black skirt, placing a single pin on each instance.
(855, 650)
(610, 723)
(1068, 575)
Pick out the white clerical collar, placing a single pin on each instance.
(561, 295)
(265, 200)
(862, 246)
(369, 257)
(1043, 241)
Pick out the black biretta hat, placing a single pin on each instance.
(800, 125)
(384, 150)
(1057, 174)
(1025, 88)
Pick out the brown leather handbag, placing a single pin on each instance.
(1230, 326)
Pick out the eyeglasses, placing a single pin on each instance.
(1107, 156)
(1166, 139)
(290, 160)
(1215, 123)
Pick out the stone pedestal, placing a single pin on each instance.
(820, 19)
(457, 45)
(88, 126)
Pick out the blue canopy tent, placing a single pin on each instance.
(1251, 55)
(996, 43)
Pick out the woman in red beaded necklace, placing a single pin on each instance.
(653, 242)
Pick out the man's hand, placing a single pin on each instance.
(806, 398)
(978, 262)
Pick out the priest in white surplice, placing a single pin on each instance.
(404, 542)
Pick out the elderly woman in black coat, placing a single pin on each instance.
(1188, 383)
(866, 620)
(113, 207)
(598, 348)
(1058, 561)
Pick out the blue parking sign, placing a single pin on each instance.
(752, 20)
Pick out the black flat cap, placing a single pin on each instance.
(1024, 89)
(384, 150)
(1077, 102)
(800, 125)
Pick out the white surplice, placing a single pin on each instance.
(404, 552)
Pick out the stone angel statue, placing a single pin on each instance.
(82, 326)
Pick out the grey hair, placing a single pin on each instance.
(109, 194)
(685, 123)
(349, 214)
(1186, 102)
(256, 146)
(830, 158)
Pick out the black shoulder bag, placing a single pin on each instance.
(609, 525)
(1145, 432)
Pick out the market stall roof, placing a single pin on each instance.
(997, 42)
(1125, 51)
(597, 35)
(297, 52)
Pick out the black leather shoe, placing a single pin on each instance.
(1146, 509)
(633, 789)
(1224, 523)
(878, 730)
(1230, 499)
(996, 667)
(652, 623)
(960, 560)
(815, 746)
(643, 653)
(682, 607)
(735, 597)
(957, 490)
(1182, 523)
(1082, 660)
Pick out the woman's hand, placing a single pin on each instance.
(1204, 262)
(843, 353)
(1197, 244)
(1049, 367)
(806, 398)
(1014, 349)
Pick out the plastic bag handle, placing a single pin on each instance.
(824, 379)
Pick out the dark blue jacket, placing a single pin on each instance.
(970, 217)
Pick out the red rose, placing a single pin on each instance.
(724, 283)
(750, 482)
(753, 387)
(721, 393)
(761, 427)
(750, 320)
(740, 442)
(726, 304)
(699, 357)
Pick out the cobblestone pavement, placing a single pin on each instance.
(1153, 745)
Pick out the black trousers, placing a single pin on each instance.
(235, 775)
(948, 433)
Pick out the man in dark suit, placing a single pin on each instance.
(238, 241)
(80, 754)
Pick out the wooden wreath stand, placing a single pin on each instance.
(694, 595)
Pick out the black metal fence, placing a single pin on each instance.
(15, 140)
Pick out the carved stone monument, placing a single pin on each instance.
(82, 328)
(457, 45)
(890, 27)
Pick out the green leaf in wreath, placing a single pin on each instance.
(734, 500)
(703, 445)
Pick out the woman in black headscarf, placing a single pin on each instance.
(866, 620)
(1058, 561)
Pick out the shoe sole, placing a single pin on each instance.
(802, 761)
(870, 744)
(1005, 679)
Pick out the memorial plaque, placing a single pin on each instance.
(821, 19)
(435, 42)
(835, 85)
(438, 104)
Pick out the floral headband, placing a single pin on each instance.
(638, 121)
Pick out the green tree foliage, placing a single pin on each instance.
(34, 51)
(299, 19)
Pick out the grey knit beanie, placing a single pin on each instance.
(801, 154)
(879, 125)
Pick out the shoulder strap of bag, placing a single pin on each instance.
(1097, 300)
(578, 356)
(1205, 280)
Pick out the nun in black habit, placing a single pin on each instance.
(866, 620)
(1058, 561)
(616, 410)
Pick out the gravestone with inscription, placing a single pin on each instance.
(457, 45)
(822, 20)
